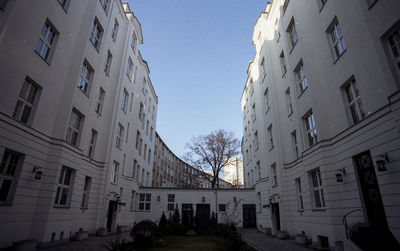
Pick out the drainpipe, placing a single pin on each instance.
(216, 205)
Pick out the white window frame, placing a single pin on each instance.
(256, 140)
(119, 136)
(299, 195)
(144, 201)
(292, 34)
(171, 202)
(96, 33)
(74, 127)
(353, 101)
(27, 100)
(124, 100)
(107, 66)
(301, 77)
(47, 41)
(86, 192)
(114, 172)
(85, 77)
(310, 129)
(267, 100)
(134, 42)
(336, 39)
(10, 168)
(316, 188)
(289, 101)
(295, 146)
(64, 187)
(114, 33)
(100, 101)
(129, 68)
(133, 195)
(393, 43)
(274, 175)
(270, 137)
(92, 144)
(283, 63)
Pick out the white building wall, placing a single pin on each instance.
(368, 59)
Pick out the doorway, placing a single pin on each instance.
(249, 216)
(203, 216)
(276, 220)
(369, 188)
(187, 214)
(111, 215)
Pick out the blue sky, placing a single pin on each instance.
(198, 52)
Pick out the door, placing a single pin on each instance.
(276, 220)
(249, 216)
(187, 214)
(369, 187)
(203, 216)
(112, 208)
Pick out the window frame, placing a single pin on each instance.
(10, 173)
(283, 63)
(295, 145)
(274, 175)
(114, 33)
(335, 36)
(114, 172)
(85, 77)
(100, 101)
(86, 192)
(92, 144)
(124, 100)
(315, 175)
(310, 128)
(96, 34)
(107, 67)
(292, 35)
(104, 5)
(299, 195)
(350, 89)
(301, 77)
(119, 136)
(129, 68)
(44, 42)
(145, 200)
(170, 202)
(289, 103)
(27, 100)
(61, 186)
(73, 129)
(270, 138)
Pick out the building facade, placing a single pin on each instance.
(321, 119)
(78, 115)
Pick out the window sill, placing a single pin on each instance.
(290, 114)
(301, 93)
(322, 6)
(318, 209)
(96, 47)
(372, 5)
(61, 206)
(84, 208)
(283, 74)
(291, 49)
(337, 59)
(119, 147)
(47, 62)
(86, 94)
(98, 113)
(268, 109)
(271, 148)
(300, 210)
(107, 73)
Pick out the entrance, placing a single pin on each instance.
(276, 220)
(112, 210)
(203, 216)
(369, 186)
(249, 215)
(187, 214)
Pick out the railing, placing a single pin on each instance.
(344, 220)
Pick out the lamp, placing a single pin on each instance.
(38, 171)
(381, 161)
(339, 175)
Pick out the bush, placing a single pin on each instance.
(145, 234)
(119, 246)
(233, 240)
(176, 217)
(163, 222)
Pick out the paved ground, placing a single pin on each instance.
(268, 243)
(94, 243)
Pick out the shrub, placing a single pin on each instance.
(163, 222)
(119, 246)
(176, 218)
(145, 234)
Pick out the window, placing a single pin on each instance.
(292, 34)
(137, 140)
(253, 112)
(64, 187)
(289, 101)
(132, 207)
(104, 4)
(256, 140)
(273, 174)
(100, 101)
(316, 189)
(171, 201)
(92, 143)
(251, 86)
(270, 137)
(144, 201)
(353, 100)
(258, 169)
(267, 100)
(300, 76)
(133, 42)
(263, 68)
(85, 76)
(86, 191)
(63, 3)
(149, 156)
(26, 101)
(47, 41)
(127, 133)
(283, 64)
(151, 134)
(135, 170)
(300, 205)
(120, 136)
(141, 114)
(337, 40)
(134, 77)
(295, 148)
(115, 30)
(96, 33)
(129, 68)
(222, 207)
(147, 127)
(285, 5)
(74, 127)
(124, 100)
(311, 131)
(108, 63)
(145, 151)
(321, 3)
(114, 172)
(394, 43)
(10, 168)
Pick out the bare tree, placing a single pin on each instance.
(212, 152)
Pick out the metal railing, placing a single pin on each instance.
(344, 220)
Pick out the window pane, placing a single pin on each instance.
(5, 188)
(64, 196)
(25, 114)
(57, 195)
(317, 199)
